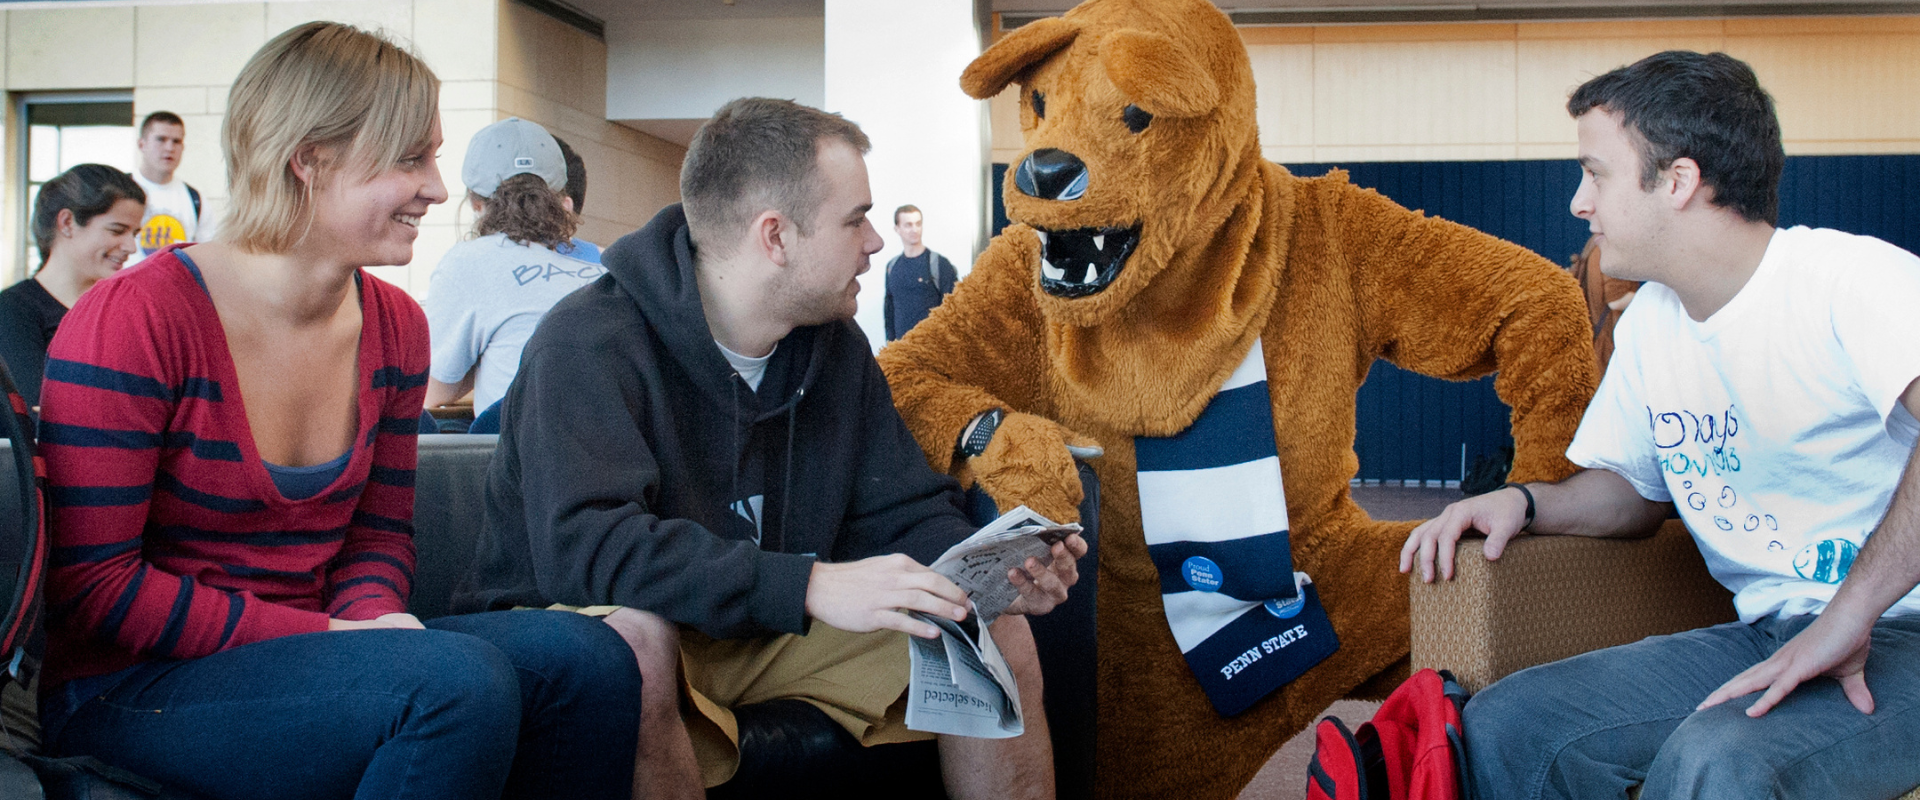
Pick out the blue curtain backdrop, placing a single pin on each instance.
(1412, 427)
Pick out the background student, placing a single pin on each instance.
(84, 224)
(176, 213)
(488, 293)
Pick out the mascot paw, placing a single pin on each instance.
(1030, 462)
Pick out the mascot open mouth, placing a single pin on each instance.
(1082, 262)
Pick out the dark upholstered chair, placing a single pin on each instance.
(790, 749)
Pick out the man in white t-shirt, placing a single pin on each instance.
(1762, 386)
(175, 212)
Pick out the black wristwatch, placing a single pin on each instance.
(973, 441)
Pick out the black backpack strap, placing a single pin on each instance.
(20, 619)
(194, 194)
(1457, 737)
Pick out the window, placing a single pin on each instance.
(64, 131)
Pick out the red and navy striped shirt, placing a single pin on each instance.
(170, 540)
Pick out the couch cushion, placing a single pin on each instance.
(449, 506)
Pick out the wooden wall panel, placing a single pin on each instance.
(1550, 69)
(1839, 87)
(1413, 93)
(1284, 103)
(1844, 85)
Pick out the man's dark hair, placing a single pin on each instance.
(88, 191)
(576, 176)
(756, 153)
(167, 117)
(906, 209)
(1707, 107)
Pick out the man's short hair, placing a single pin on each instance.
(756, 153)
(906, 209)
(1707, 107)
(166, 117)
(576, 175)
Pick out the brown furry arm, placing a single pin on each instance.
(981, 348)
(1446, 300)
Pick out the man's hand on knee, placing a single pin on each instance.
(875, 594)
(1831, 646)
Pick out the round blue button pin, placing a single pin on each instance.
(1287, 609)
(1202, 574)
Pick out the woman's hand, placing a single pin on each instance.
(395, 620)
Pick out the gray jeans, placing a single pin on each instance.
(1596, 724)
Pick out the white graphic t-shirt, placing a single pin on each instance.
(483, 302)
(170, 217)
(1775, 426)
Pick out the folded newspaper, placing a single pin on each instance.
(960, 683)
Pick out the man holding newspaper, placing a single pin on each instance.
(700, 448)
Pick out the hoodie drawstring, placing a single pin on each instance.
(786, 476)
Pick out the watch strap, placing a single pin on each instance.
(974, 440)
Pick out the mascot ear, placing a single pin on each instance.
(1158, 75)
(1028, 44)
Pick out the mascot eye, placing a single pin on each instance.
(1136, 118)
(1039, 105)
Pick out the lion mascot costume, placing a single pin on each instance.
(1159, 271)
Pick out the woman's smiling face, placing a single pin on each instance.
(375, 220)
(98, 249)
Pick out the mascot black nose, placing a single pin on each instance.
(1052, 175)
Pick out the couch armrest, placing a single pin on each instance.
(1551, 597)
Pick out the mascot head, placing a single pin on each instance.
(1139, 135)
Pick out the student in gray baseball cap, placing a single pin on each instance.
(490, 290)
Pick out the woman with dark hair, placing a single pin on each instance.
(84, 223)
(489, 292)
(229, 432)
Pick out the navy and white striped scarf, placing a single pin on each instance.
(1215, 516)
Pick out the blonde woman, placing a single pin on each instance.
(229, 435)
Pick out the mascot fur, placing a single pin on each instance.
(1204, 247)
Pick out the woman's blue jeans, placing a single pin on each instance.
(520, 704)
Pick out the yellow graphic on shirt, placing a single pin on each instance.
(161, 230)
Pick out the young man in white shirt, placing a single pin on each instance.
(1762, 385)
(175, 211)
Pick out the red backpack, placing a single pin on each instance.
(1412, 750)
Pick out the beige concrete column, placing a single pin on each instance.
(894, 68)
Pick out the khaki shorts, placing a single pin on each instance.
(858, 679)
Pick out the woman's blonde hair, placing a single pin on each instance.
(363, 100)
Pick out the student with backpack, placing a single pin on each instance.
(175, 212)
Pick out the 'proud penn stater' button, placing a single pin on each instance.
(1202, 574)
